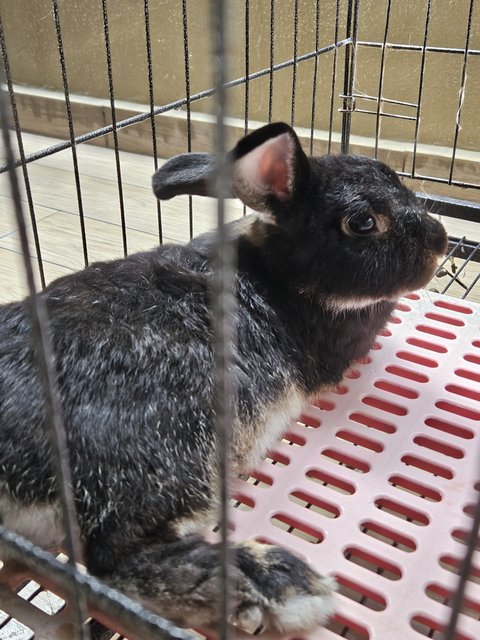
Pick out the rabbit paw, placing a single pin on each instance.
(283, 594)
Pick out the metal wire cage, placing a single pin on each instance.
(346, 85)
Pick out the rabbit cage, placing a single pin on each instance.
(377, 483)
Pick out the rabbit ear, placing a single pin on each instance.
(190, 173)
(269, 166)
(265, 166)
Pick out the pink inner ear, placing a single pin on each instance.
(274, 168)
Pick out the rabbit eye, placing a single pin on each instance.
(360, 225)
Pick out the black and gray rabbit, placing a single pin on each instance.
(335, 242)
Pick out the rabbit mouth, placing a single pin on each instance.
(431, 266)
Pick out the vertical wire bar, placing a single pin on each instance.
(294, 68)
(334, 76)
(247, 73)
(420, 87)
(224, 307)
(108, 54)
(450, 633)
(247, 65)
(148, 43)
(349, 75)
(21, 150)
(315, 72)
(272, 57)
(382, 74)
(55, 427)
(186, 56)
(461, 95)
(71, 130)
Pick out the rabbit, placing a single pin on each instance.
(334, 242)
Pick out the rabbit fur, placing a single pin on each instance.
(335, 242)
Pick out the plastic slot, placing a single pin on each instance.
(425, 344)
(373, 563)
(359, 441)
(441, 594)
(372, 423)
(412, 296)
(342, 459)
(394, 319)
(408, 374)
(364, 360)
(309, 421)
(298, 529)
(430, 628)
(331, 481)
(453, 564)
(274, 457)
(463, 391)
(388, 536)
(42, 599)
(293, 439)
(462, 535)
(239, 501)
(435, 331)
(353, 374)
(439, 447)
(452, 306)
(402, 511)
(396, 389)
(416, 359)
(340, 390)
(260, 479)
(383, 405)
(440, 317)
(365, 596)
(471, 358)
(343, 627)
(476, 343)
(324, 405)
(427, 466)
(315, 504)
(468, 375)
(401, 306)
(448, 427)
(458, 410)
(469, 510)
(415, 488)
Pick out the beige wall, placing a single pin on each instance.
(31, 42)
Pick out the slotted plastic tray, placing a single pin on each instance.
(376, 484)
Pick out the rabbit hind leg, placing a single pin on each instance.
(271, 588)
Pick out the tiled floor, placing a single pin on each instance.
(56, 212)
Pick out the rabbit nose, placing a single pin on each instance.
(436, 236)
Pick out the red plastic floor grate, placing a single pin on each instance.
(376, 483)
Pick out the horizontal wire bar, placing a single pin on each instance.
(104, 599)
(175, 105)
(375, 98)
(417, 47)
(374, 113)
(455, 183)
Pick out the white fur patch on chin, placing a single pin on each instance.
(302, 613)
(338, 304)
